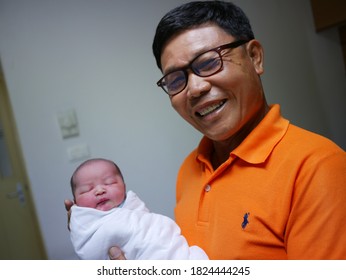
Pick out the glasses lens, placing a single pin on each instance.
(174, 82)
(207, 64)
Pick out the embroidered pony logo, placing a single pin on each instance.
(245, 221)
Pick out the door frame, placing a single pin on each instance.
(19, 172)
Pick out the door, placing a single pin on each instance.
(19, 232)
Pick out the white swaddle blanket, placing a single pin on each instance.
(140, 234)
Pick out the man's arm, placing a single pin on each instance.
(316, 226)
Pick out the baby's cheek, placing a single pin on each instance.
(85, 201)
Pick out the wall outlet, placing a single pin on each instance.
(78, 152)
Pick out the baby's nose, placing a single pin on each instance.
(99, 189)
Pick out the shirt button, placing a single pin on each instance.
(207, 188)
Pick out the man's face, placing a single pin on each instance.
(221, 105)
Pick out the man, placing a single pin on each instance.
(256, 187)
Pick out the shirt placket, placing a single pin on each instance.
(207, 197)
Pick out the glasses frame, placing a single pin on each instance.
(185, 69)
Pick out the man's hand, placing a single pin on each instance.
(115, 253)
(68, 204)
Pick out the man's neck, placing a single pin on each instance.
(222, 149)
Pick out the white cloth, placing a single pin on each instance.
(139, 233)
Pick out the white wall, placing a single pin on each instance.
(95, 57)
(304, 71)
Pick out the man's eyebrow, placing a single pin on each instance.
(176, 68)
(195, 54)
(172, 69)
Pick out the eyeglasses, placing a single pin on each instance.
(204, 65)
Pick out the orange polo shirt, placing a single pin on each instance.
(280, 195)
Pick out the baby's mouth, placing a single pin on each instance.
(101, 202)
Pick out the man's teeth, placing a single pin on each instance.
(210, 109)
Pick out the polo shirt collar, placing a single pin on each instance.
(258, 145)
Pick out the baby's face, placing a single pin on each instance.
(99, 185)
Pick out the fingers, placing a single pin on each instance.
(115, 253)
(68, 204)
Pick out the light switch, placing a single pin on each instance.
(68, 123)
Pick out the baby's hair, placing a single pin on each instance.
(89, 161)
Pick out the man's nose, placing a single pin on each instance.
(196, 85)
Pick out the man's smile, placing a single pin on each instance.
(210, 109)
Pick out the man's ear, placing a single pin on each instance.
(255, 51)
